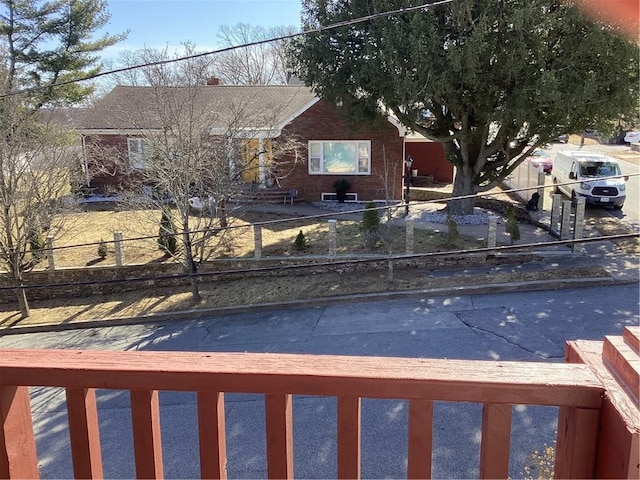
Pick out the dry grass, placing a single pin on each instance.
(252, 291)
(277, 238)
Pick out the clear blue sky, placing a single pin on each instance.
(158, 23)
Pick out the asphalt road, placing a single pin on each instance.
(528, 326)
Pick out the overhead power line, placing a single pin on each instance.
(332, 214)
(326, 264)
(333, 26)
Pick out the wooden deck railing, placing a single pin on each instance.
(580, 393)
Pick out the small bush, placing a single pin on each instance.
(300, 242)
(341, 187)
(167, 241)
(36, 243)
(512, 227)
(370, 225)
(102, 249)
(453, 233)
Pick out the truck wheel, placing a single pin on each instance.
(618, 207)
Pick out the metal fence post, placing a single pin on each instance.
(257, 241)
(332, 237)
(578, 225)
(51, 258)
(118, 244)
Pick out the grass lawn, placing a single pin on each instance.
(277, 238)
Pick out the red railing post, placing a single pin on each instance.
(349, 437)
(84, 433)
(576, 442)
(211, 431)
(18, 457)
(147, 445)
(496, 440)
(420, 442)
(616, 364)
(279, 424)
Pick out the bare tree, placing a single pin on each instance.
(197, 70)
(41, 44)
(194, 151)
(36, 156)
(261, 64)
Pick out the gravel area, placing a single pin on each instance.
(480, 217)
(426, 212)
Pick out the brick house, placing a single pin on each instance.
(369, 157)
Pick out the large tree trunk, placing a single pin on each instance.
(222, 213)
(463, 186)
(195, 291)
(190, 265)
(23, 303)
(21, 293)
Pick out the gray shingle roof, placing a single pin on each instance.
(219, 106)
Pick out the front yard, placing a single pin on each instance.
(140, 229)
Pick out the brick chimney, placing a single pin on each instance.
(213, 81)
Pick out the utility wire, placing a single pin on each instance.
(333, 26)
(396, 206)
(279, 268)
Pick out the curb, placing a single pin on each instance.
(535, 285)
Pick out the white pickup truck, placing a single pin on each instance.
(588, 175)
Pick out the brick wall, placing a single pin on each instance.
(320, 122)
(107, 158)
(324, 122)
(429, 159)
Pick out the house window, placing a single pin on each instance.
(139, 152)
(340, 157)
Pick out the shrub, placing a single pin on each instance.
(341, 187)
(167, 241)
(36, 243)
(370, 225)
(453, 233)
(512, 227)
(300, 242)
(102, 249)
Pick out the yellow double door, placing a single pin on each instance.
(258, 164)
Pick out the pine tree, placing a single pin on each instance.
(300, 242)
(167, 241)
(463, 75)
(41, 44)
(512, 227)
(102, 249)
(370, 225)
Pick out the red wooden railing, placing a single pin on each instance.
(587, 399)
